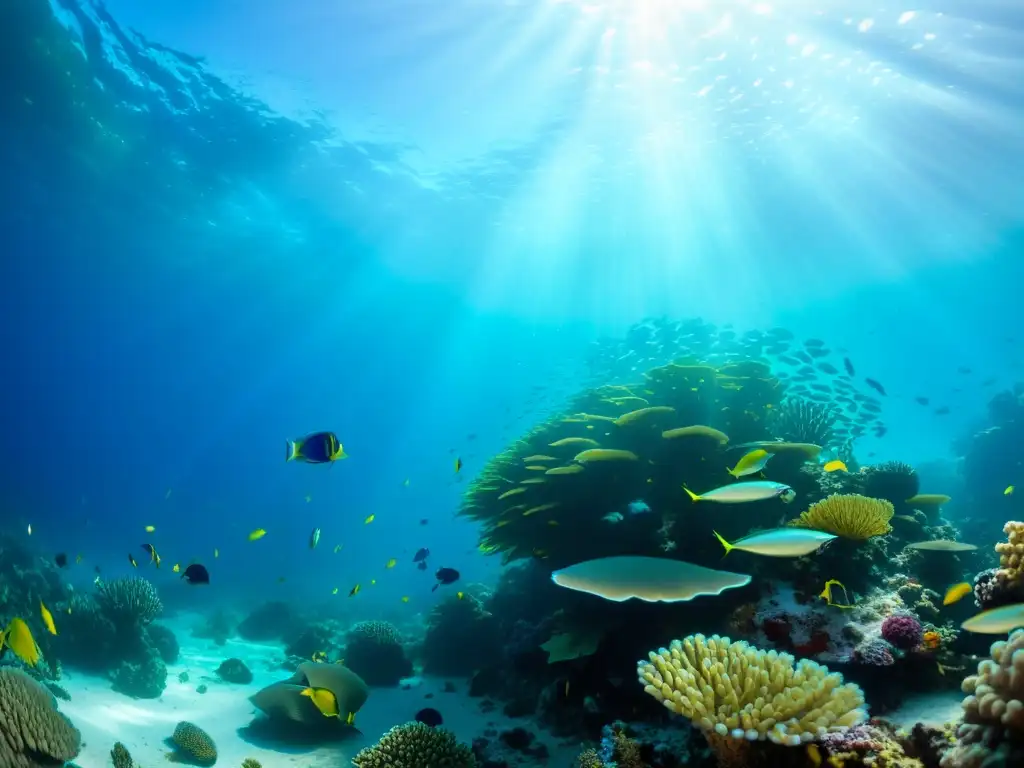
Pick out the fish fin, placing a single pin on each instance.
(350, 719)
(291, 450)
(435, 587)
(693, 496)
(728, 547)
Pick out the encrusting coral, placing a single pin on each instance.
(415, 745)
(850, 516)
(992, 733)
(32, 732)
(736, 693)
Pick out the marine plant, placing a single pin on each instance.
(736, 694)
(615, 445)
(799, 420)
(992, 732)
(32, 731)
(850, 516)
(415, 745)
(193, 743)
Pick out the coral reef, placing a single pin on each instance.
(373, 650)
(142, 676)
(193, 743)
(163, 639)
(129, 600)
(415, 745)
(802, 421)
(121, 757)
(902, 631)
(32, 732)
(849, 516)
(234, 671)
(992, 732)
(736, 694)
(461, 637)
(895, 481)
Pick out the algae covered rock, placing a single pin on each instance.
(234, 671)
(373, 650)
(166, 644)
(193, 744)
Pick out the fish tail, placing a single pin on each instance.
(728, 547)
(693, 496)
(291, 450)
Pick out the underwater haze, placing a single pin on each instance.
(433, 230)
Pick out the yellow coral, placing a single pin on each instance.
(735, 692)
(850, 516)
(1011, 552)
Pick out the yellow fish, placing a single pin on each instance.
(460, 595)
(177, 568)
(391, 563)
(334, 591)
(814, 754)
(405, 598)
(373, 582)
(258, 534)
(47, 618)
(354, 591)
(826, 593)
(150, 528)
(19, 639)
(1009, 491)
(957, 592)
(751, 463)
(131, 559)
(835, 466)
(458, 465)
(324, 699)
(369, 519)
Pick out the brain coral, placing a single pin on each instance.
(736, 693)
(194, 743)
(129, 600)
(992, 733)
(32, 731)
(415, 745)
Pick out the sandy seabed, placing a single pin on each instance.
(224, 711)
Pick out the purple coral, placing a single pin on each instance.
(875, 652)
(903, 631)
(861, 738)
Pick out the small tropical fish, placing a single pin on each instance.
(176, 568)
(196, 574)
(835, 466)
(216, 553)
(258, 534)
(19, 639)
(308, 498)
(739, 493)
(47, 618)
(997, 621)
(445, 576)
(942, 545)
(391, 563)
(460, 595)
(421, 554)
(150, 550)
(131, 559)
(337, 548)
(61, 560)
(334, 591)
(813, 751)
(780, 542)
(354, 591)
(317, 448)
(1009, 491)
(613, 517)
(373, 582)
(30, 529)
(957, 592)
(319, 656)
(826, 593)
(369, 519)
(943, 669)
(849, 366)
(405, 598)
(314, 538)
(406, 482)
(751, 463)
(324, 699)
(458, 465)
(429, 716)
(150, 528)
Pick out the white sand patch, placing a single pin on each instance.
(932, 709)
(143, 725)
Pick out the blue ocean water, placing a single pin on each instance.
(226, 225)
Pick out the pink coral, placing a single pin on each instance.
(903, 631)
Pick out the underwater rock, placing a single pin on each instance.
(219, 626)
(166, 644)
(373, 650)
(143, 678)
(269, 621)
(234, 671)
(88, 639)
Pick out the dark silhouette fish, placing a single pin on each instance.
(849, 366)
(921, 400)
(196, 574)
(875, 386)
(421, 554)
(61, 560)
(429, 716)
(445, 576)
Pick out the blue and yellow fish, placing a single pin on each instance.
(317, 448)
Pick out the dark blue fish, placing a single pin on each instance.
(445, 576)
(317, 448)
(848, 366)
(875, 386)
(429, 716)
(196, 574)
(421, 554)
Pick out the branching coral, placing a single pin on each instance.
(849, 516)
(803, 421)
(415, 745)
(32, 731)
(129, 600)
(736, 693)
(992, 732)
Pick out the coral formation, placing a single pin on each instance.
(895, 481)
(736, 693)
(992, 732)
(850, 516)
(902, 631)
(193, 743)
(166, 644)
(121, 757)
(251, 763)
(234, 671)
(129, 600)
(269, 621)
(32, 732)
(415, 745)
(461, 637)
(143, 676)
(802, 421)
(373, 650)
(1011, 553)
